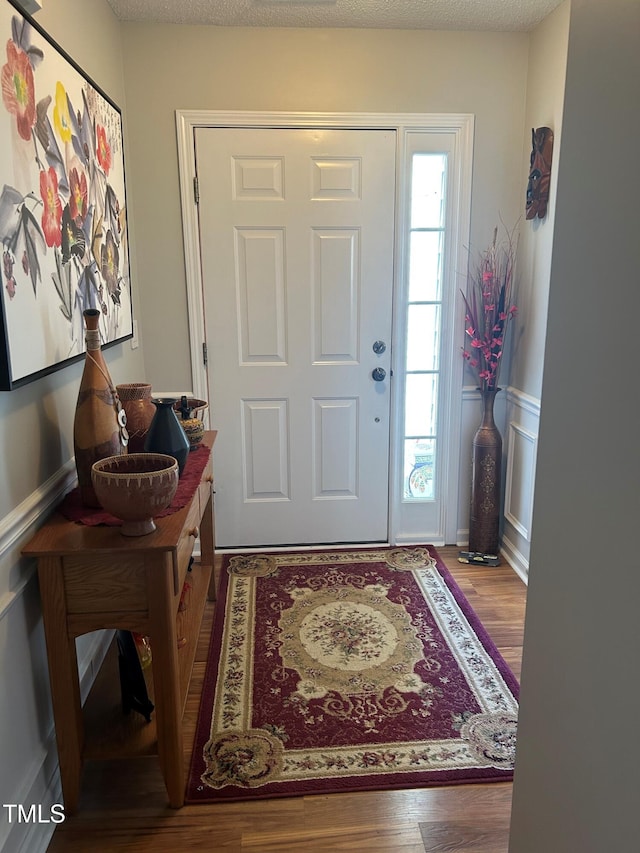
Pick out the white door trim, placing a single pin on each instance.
(460, 124)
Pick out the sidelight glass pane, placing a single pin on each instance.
(425, 266)
(421, 404)
(423, 337)
(428, 190)
(419, 464)
(426, 242)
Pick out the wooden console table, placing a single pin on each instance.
(92, 577)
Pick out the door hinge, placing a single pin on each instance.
(196, 190)
(205, 354)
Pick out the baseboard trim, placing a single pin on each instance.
(42, 787)
(516, 559)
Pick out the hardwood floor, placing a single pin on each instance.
(123, 803)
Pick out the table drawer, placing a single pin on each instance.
(95, 583)
(188, 536)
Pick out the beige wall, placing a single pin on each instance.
(91, 37)
(544, 104)
(576, 779)
(172, 67)
(545, 97)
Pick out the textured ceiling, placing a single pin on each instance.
(382, 14)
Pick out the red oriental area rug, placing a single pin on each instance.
(348, 670)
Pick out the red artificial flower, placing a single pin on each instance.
(103, 149)
(18, 90)
(52, 213)
(78, 198)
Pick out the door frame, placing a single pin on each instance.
(461, 125)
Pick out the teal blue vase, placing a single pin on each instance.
(165, 433)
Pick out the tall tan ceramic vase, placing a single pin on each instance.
(136, 401)
(99, 428)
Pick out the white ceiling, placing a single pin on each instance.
(382, 14)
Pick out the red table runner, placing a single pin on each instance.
(73, 508)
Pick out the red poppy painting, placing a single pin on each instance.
(63, 224)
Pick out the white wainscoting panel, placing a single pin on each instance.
(521, 465)
(522, 419)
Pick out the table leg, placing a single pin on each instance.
(63, 674)
(166, 676)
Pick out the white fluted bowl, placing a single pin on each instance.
(135, 487)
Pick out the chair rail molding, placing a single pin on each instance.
(524, 401)
(19, 523)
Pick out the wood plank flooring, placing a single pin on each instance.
(123, 806)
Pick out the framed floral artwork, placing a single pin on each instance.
(63, 224)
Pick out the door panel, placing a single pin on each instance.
(261, 295)
(296, 232)
(265, 442)
(335, 286)
(335, 448)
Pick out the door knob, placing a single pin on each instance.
(378, 374)
(379, 347)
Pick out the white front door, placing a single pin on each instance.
(297, 235)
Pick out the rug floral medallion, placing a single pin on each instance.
(349, 670)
